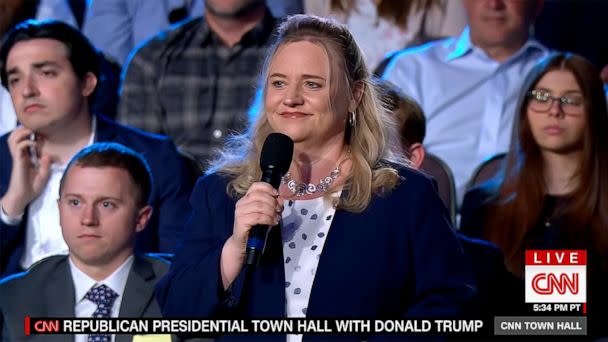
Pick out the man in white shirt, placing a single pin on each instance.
(102, 205)
(51, 71)
(468, 85)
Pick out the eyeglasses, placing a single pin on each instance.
(541, 101)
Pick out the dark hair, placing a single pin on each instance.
(408, 114)
(520, 195)
(115, 155)
(81, 53)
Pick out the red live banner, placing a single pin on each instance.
(556, 257)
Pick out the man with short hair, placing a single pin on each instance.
(410, 120)
(195, 82)
(468, 85)
(51, 71)
(103, 198)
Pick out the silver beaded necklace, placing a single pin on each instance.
(301, 189)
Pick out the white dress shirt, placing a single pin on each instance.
(468, 98)
(43, 235)
(304, 228)
(117, 281)
(8, 118)
(118, 26)
(378, 36)
(57, 10)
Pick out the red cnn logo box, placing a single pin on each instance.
(556, 276)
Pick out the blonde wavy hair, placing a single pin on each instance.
(373, 141)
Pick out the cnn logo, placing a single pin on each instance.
(556, 276)
(549, 283)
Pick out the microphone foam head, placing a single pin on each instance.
(277, 152)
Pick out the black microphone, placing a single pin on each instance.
(274, 162)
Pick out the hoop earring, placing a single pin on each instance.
(352, 119)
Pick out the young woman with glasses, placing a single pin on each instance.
(552, 192)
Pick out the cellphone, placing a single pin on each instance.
(34, 152)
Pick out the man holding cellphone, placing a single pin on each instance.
(51, 71)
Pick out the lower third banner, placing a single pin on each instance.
(247, 326)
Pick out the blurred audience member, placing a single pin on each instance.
(381, 27)
(467, 85)
(409, 117)
(195, 82)
(553, 191)
(117, 26)
(485, 258)
(278, 8)
(70, 12)
(102, 206)
(51, 71)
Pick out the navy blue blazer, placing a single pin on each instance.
(169, 196)
(398, 258)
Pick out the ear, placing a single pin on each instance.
(417, 153)
(357, 95)
(143, 216)
(88, 84)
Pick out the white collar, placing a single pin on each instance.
(117, 281)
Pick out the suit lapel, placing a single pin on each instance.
(275, 299)
(59, 298)
(139, 291)
(60, 293)
(323, 273)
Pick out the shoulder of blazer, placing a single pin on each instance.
(151, 265)
(411, 181)
(107, 129)
(33, 277)
(213, 183)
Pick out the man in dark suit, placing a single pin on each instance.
(102, 206)
(51, 71)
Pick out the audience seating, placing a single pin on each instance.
(486, 170)
(434, 166)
